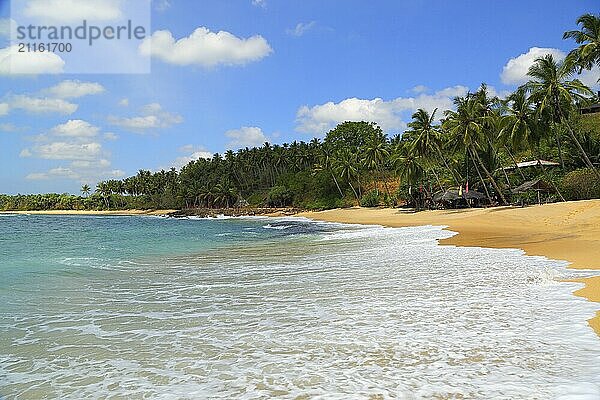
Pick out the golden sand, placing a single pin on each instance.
(562, 231)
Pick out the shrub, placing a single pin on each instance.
(279, 196)
(370, 199)
(581, 184)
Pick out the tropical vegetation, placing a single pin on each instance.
(473, 146)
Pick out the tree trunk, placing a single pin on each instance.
(586, 159)
(337, 184)
(487, 192)
(439, 151)
(490, 177)
(515, 162)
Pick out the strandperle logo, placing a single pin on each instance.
(78, 36)
(87, 32)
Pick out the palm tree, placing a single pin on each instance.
(375, 153)
(427, 137)
(85, 190)
(346, 166)
(588, 38)
(466, 125)
(554, 93)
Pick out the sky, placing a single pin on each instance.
(236, 73)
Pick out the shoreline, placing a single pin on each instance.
(568, 231)
(93, 212)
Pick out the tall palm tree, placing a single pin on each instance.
(555, 94)
(85, 190)
(347, 167)
(427, 138)
(588, 38)
(375, 154)
(466, 125)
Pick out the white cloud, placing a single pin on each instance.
(70, 89)
(515, 70)
(8, 127)
(25, 153)
(152, 117)
(259, 3)
(245, 137)
(4, 109)
(590, 77)
(205, 48)
(419, 89)
(194, 153)
(75, 128)
(41, 105)
(90, 174)
(12, 62)
(124, 102)
(390, 115)
(66, 151)
(301, 28)
(110, 136)
(73, 10)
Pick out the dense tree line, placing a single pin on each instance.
(357, 163)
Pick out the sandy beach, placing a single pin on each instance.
(563, 231)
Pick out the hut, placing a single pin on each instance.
(537, 185)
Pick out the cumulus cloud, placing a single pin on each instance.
(245, 137)
(67, 151)
(41, 105)
(110, 136)
(89, 175)
(29, 63)
(152, 117)
(71, 89)
(192, 153)
(301, 28)
(205, 48)
(76, 128)
(390, 115)
(515, 70)
(259, 3)
(124, 102)
(4, 109)
(69, 11)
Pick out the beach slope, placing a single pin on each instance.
(562, 231)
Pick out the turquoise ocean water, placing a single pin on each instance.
(144, 308)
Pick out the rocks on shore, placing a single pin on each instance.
(233, 212)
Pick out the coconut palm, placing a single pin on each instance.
(375, 154)
(555, 94)
(588, 38)
(346, 167)
(85, 190)
(466, 125)
(426, 138)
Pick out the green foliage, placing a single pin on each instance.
(581, 184)
(479, 136)
(280, 196)
(371, 199)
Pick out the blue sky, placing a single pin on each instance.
(287, 70)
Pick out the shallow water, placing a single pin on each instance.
(140, 307)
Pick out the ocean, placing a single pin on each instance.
(107, 307)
